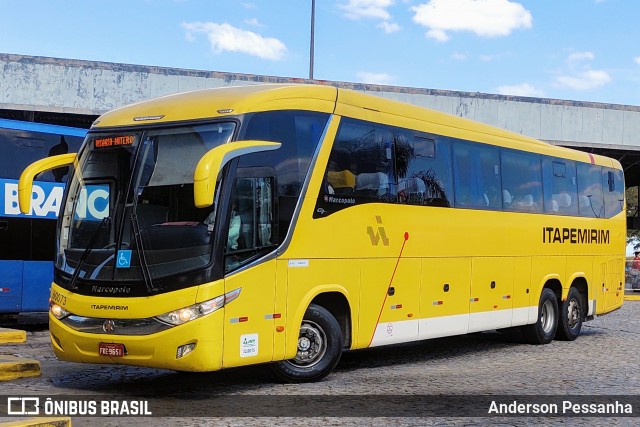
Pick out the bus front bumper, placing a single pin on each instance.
(200, 339)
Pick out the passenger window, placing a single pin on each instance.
(360, 167)
(369, 150)
(613, 184)
(521, 181)
(590, 194)
(423, 167)
(560, 186)
(251, 230)
(477, 176)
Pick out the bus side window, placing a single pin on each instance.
(361, 162)
(521, 176)
(477, 176)
(590, 194)
(613, 185)
(560, 186)
(423, 168)
(251, 227)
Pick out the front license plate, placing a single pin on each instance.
(110, 349)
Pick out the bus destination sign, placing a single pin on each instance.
(114, 141)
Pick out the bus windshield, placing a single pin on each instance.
(129, 214)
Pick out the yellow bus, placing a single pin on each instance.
(285, 224)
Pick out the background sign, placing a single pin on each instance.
(46, 199)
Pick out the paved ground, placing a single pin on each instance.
(603, 361)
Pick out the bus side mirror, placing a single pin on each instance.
(25, 185)
(206, 173)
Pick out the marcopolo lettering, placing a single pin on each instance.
(575, 235)
(111, 289)
(340, 200)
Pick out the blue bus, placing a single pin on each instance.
(27, 241)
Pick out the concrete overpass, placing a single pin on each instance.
(74, 92)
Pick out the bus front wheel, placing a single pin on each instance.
(319, 348)
(571, 315)
(544, 330)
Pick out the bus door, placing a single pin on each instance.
(250, 319)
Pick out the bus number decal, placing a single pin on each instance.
(58, 298)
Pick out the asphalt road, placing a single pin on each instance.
(393, 383)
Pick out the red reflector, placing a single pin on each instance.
(277, 315)
(5, 289)
(243, 319)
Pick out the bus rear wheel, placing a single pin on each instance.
(571, 315)
(544, 330)
(319, 348)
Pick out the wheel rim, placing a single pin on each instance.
(574, 313)
(547, 317)
(312, 345)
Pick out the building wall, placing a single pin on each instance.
(89, 87)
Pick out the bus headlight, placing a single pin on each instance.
(192, 312)
(57, 311)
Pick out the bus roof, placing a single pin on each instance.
(232, 101)
(221, 102)
(41, 127)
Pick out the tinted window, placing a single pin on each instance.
(560, 186)
(521, 181)
(613, 185)
(477, 176)
(423, 168)
(21, 148)
(251, 224)
(590, 195)
(361, 162)
(299, 132)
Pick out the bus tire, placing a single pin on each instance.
(319, 348)
(544, 330)
(571, 315)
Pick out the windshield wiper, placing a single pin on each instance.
(144, 266)
(94, 237)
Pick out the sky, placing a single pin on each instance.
(585, 50)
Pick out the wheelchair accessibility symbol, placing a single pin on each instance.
(124, 259)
